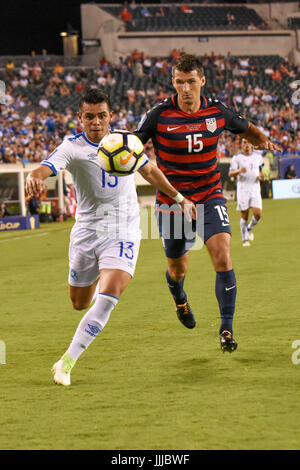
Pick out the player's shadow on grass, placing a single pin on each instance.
(249, 360)
(194, 370)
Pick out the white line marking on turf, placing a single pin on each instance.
(35, 235)
(25, 236)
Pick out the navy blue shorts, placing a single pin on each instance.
(178, 235)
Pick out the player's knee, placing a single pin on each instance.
(79, 305)
(177, 273)
(222, 261)
(257, 215)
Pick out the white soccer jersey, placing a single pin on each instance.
(248, 186)
(106, 204)
(252, 163)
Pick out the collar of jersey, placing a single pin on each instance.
(88, 141)
(203, 104)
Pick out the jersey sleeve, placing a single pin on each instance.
(233, 122)
(234, 165)
(147, 126)
(60, 159)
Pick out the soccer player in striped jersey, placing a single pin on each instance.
(185, 129)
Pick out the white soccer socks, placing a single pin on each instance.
(253, 222)
(244, 229)
(91, 324)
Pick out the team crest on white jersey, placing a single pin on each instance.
(211, 124)
(92, 156)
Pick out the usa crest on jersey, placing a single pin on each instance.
(211, 124)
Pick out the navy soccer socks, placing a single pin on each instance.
(226, 295)
(176, 289)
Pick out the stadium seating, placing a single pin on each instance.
(294, 23)
(203, 18)
(156, 78)
(226, 80)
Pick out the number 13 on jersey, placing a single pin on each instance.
(126, 249)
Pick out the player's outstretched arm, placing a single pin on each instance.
(34, 184)
(235, 173)
(155, 176)
(259, 140)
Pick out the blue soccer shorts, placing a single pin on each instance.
(178, 235)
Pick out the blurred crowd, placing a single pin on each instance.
(132, 11)
(30, 131)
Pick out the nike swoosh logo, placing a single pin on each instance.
(229, 288)
(126, 160)
(172, 128)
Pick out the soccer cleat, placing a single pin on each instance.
(246, 243)
(185, 315)
(250, 235)
(61, 370)
(227, 342)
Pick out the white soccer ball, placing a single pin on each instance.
(121, 153)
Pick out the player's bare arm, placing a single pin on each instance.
(235, 173)
(154, 176)
(34, 184)
(258, 139)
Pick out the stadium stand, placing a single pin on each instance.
(294, 23)
(43, 91)
(42, 100)
(176, 18)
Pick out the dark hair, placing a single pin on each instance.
(94, 96)
(187, 63)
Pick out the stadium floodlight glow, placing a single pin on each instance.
(63, 34)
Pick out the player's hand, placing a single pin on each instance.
(243, 170)
(189, 209)
(34, 186)
(268, 145)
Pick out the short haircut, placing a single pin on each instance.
(94, 96)
(187, 63)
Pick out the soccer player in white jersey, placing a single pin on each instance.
(105, 238)
(246, 167)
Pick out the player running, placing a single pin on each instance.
(106, 236)
(185, 129)
(246, 167)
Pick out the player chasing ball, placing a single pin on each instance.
(105, 238)
(246, 167)
(185, 129)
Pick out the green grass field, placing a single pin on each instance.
(147, 382)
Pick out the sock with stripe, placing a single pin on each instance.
(96, 292)
(226, 295)
(91, 324)
(243, 225)
(176, 289)
(253, 222)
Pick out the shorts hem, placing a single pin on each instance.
(82, 284)
(128, 270)
(216, 233)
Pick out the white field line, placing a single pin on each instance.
(30, 236)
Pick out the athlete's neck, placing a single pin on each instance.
(92, 138)
(189, 108)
